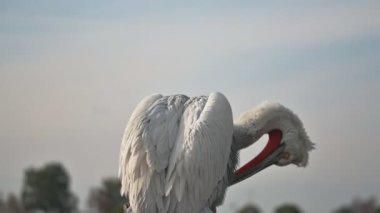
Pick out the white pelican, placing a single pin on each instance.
(179, 154)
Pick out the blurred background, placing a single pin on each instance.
(71, 72)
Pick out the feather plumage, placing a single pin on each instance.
(175, 151)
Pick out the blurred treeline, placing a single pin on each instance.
(356, 206)
(47, 190)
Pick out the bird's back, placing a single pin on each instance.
(175, 152)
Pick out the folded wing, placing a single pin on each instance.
(174, 152)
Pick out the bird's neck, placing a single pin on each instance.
(244, 136)
(253, 124)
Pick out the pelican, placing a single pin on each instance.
(179, 154)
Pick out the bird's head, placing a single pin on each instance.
(288, 141)
(296, 141)
(295, 152)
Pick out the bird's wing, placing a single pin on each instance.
(145, 150)
(131, 144)
(174, 152)
(200, 156)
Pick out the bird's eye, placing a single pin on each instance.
(285, 156)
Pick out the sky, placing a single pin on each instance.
(71, 72)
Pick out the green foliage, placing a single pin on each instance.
(14, 204)
(359, 205)
(107, 198)
(11, 205)
(3, 206)
(288, 208)
(249, 208)
(48, 189)
(343, 209)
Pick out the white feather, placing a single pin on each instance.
(175, 151)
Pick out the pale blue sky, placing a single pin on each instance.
(71, 72)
